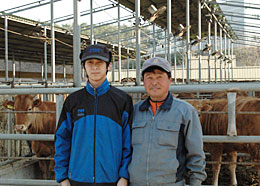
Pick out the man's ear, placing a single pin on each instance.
(109, 66)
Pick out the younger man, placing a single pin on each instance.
(93, 142)
(166, 134)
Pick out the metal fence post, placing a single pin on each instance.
(231, 131)
(59, 104)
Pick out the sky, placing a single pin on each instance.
(249, 12)
(65, 7)
(62, 8)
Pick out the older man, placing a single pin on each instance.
(166, 134)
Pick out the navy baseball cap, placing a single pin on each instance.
(157, 62)
(96, 51)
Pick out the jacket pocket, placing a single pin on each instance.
(168, 133)
(138, 132)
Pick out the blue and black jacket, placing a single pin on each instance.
(93, 137)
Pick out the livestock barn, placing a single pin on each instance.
(213, 48)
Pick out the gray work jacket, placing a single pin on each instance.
(166, 145)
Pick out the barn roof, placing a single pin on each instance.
(26, 39)
(26, 42)
(179, 14)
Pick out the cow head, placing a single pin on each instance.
(23, 103)
(200, 105)
(206, 106)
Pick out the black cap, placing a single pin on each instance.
(96, 51)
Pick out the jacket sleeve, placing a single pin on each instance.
(127, 149)
(62, 145)
(195, 155)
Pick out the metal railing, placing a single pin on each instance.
(138, 89)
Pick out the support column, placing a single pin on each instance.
(154, 45)
(6, 49)
(209, 51)
(113, 69)
(13, 65)
(165, 44)
(228, 62)
(138, 42)
(199, 34)
(232, 67)
(169, 24)
(91, 23)
(175, 60)
(188, 40)
(127, 63)
(45, 56)
(64, 71)
(76, 46)
(216, 48)
(225, 54)
(119, 44)
(183, 61)
(221, 47)
(42, 70)
(52, 44)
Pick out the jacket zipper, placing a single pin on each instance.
(149, 151)
(94, 154)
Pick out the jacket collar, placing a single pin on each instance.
(102, 89)
(165, 106)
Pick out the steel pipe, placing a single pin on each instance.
(6, 49)
(231, 139)
(91, 23)
(199, 32)
(119, 43)
(28, 182)
(169, 24)
(40, 137)
(216, 47)
(188, 40)
(138, 41)
(248, 86)
(206, 138)
(76, 46)
(220, 49)
(52, 44)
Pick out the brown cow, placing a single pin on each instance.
(198, 104)
(186, 95)
(216, 124)
(36, 123)
(220, 95)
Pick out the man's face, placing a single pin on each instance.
(157, 84)
(96, 70)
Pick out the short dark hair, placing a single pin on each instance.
(153, 68)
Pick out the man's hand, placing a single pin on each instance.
(122, 182)
(65, 183)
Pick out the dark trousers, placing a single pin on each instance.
(75, 183)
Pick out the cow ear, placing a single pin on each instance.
(37, 103)
(9, 105)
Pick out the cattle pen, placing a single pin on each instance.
(212, 45)
(132, 90)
